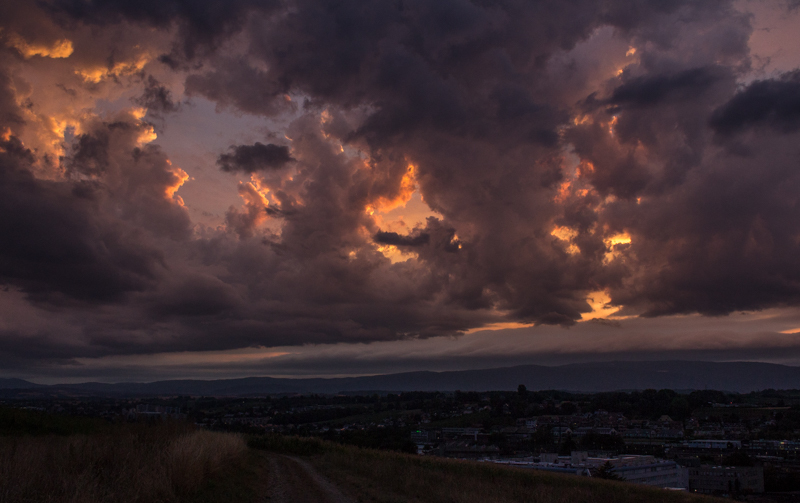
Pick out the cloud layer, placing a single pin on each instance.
(560, 149)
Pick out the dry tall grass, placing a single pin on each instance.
(136, 463)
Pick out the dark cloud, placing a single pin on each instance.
(254, 158)
(393, 238)
(196, 295)
(90, 153)
(234, 83)
(78, 239)
(723, 242)
(653, 90)
(57, 247)
(9, 112)
(554, 166)
(157, 98)
(203, 24)
(773, 103)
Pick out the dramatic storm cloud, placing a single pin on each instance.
(418, 169)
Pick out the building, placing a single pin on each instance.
(460, 432)
(775, 446)
(712, 444)
(528, 422)
(467, 450)
(424, 436)
(157, 411)
(669, 434)
(646, 470)
(726, 479)
(650, 471)
(584, 430)
(561, 431)
(638, 433)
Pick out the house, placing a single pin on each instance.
(726, 479)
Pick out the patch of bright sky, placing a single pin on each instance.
(775, 38)
(194, 138)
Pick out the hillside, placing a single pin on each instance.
(383, 476)
(45, 458)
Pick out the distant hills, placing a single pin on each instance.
(586, 377)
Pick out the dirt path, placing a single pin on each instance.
(292, 480)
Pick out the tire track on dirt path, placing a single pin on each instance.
(293, 480)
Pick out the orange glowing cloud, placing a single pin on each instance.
(612, 244)
(600, 304)
(253, 193)
(567, 235)
(180, 177)
(618, 239)
(611, 124)
(95, 74)
(507, 325)
(58, 49)
(585, 168)
(563, 191)
(408, 184)
(393, 253)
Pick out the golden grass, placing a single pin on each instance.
(138, 463)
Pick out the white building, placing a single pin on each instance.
(646, 470)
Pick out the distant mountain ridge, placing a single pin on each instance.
(16, 384)
(586, 377)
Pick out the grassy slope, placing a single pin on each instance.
(382, 476)
(53, 458)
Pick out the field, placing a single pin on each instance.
(49, 459)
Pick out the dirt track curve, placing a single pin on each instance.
(292, 480)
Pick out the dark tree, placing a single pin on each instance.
(567, 446)
(607, 472)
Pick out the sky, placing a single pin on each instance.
(201, 189)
